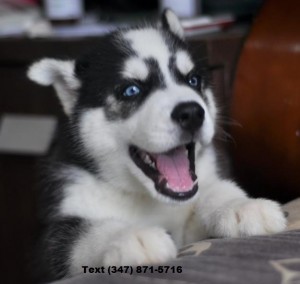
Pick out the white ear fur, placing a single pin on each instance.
(60, 74)
(173, 23)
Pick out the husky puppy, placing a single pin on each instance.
(135, 175)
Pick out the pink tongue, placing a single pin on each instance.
(174, 166)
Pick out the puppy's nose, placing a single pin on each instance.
(189, 116)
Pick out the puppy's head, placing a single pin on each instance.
(142, 106)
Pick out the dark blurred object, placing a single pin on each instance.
(244, 11)
(266, 102)
(123, 11)
(237, 7)
(124, 5)
(18, 3)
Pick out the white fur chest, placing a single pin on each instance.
(90, 199)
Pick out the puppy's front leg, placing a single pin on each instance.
(113, 242)
(226, 211)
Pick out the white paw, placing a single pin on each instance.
(248, 217)
(143, 246)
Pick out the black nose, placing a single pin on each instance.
(189, 116)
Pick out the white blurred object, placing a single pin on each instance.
(20, 22)
(26, 134)
(182, 8)
(83, 30)
(64, 9)
(39, 28)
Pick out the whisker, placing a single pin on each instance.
(224, 136)
(223, 119)
(228, 121)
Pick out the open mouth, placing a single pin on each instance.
(173, 172)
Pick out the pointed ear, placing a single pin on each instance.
(171, 22)
(60, 74)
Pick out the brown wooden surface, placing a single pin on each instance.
(266, 103)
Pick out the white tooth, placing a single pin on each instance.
(147, 159)
(143, 155)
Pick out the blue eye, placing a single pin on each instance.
(132, 90)
(194, 81)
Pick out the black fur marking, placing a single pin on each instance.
(66, 155)
(102, 82)
(50, 190)
(180, 78)
(52, 182)
(100, 73)
(122, 107)
(164, 21)
(157, 77)
(52, 254)
(69, 149)
(100, 70)
(173, 42)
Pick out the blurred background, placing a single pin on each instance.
(251, 46)
(93, 17)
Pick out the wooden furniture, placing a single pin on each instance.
(266, 103)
